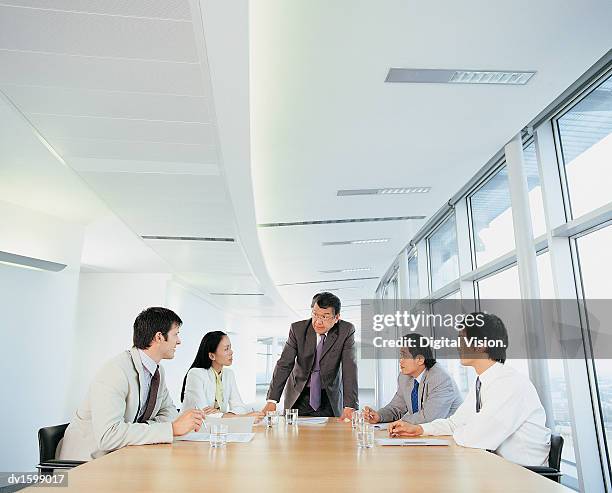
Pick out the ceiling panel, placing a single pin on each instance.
(141, 151)
(157, 9)
(96, 35)
(85, 127)
(113, 104)
(38, 69)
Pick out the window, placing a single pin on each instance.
(443, 256)
(585, 136)
(596, 273)
(536, 203)
(492, 229)
(413, 278)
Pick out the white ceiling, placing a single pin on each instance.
(324, 120)
(204, 118)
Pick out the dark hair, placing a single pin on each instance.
(489, 326)
(415, 348)
(326, 300)
(209, 344)
(151, 321)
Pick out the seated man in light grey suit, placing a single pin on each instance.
(128, 402)
(424, 390)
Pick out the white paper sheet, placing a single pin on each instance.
(381, 426)
(307, 420)
(411, 442)
(205, 437)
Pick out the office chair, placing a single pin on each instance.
(48, 439)
(553, 471)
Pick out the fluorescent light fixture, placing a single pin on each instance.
(186, 238)
(383, 191)
(341, 221)
(459, 76)
(355, 242)
(29, 262)
(336, 271)
(236, 294)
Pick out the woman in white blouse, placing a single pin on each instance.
(209, 385)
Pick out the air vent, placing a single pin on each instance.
(237, 294)
(355, 242)
(327, 280)
(337, 271)
(186, 238)
(436, 76)
(383, 191)
(341, 221)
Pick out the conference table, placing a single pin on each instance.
(304, 458)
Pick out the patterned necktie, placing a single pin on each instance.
(152, 398)
(414, 396)
(315, 377)
(478, 403)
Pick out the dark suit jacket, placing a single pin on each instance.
(297, 359)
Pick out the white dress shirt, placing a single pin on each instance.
(150, 367)
(511, 421)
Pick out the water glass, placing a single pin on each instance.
(271, 419)
(218, 435)
(365, 436)
(291, 416)
(357, 419)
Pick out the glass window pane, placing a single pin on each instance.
(585, 133)
(413, 278)
(596, 271)
(536, 204)
(443, 256)
(492, 229)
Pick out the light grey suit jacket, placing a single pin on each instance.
(338, 366)
(106, 420)
(438, 398)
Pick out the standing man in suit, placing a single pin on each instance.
(424, 390)
(309, 368)
(128, 402)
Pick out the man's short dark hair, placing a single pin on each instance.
(326, 300)
(491, 328)
(412, 344)
(151, 321)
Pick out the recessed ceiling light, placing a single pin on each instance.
(237, 294)
(383, 191)
(336, 271)
(340, 221)
(186, 238)
(355, 242)
(32, 263)
(442, 76)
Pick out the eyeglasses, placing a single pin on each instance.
(323, 318)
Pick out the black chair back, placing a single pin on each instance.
(48, 439)
(556, 447)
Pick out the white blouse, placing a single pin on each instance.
(511, 421)
(200, 391)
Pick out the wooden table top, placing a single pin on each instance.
(305, 458)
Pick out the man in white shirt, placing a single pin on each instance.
(501, 413)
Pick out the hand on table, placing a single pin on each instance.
(187, 422)
(270, 406)
(347, 414)
(370, 415)
(402, 429)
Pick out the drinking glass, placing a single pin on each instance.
(218, 435)
(357, 419)
(365, 436)
(291, 416)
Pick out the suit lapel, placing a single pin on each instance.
(139, 369)
(422, 387)
(310, 345)
(331, 337)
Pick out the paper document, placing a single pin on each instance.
(380, 426)
(410, 441)
(312, 420)
(205, 437)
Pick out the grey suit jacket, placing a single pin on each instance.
(438, 398)
(338, 366)
(106, 420)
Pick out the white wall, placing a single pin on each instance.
(38, 310)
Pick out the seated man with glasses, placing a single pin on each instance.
(309, 366)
